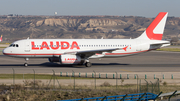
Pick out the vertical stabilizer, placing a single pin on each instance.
(156, 28)
(1, 38)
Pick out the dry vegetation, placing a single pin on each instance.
(86, 27)
(44, 93)
(41, 92)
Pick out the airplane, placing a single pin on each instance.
(79, 51)
(1, 38)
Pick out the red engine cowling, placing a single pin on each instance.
(70, 59)
(53, 59)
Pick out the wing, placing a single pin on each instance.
(88, 53)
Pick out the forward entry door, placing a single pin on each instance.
(27, 46)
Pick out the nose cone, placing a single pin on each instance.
(5, 51)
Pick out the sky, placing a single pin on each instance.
(145, 8)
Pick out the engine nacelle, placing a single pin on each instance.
(70, 59)
(53, 59)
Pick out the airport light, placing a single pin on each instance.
(13, 76)
(116, 80)
(95, 78)
(137, 83)
(74, 79)
(34, 78)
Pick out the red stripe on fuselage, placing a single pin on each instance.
(61, 54)
(28, 54)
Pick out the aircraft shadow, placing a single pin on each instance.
(56, 65)
(48, 64)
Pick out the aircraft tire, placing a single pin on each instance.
(25, 64)
(88, 64)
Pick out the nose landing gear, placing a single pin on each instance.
(26, 64)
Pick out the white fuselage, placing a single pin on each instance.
(46, 48)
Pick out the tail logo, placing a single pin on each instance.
(155, 29)
(125, 48)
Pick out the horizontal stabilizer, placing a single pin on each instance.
(159, 44)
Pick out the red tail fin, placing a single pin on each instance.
(1, 38)
(156, 28)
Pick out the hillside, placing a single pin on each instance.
(14, 28)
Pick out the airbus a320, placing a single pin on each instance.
(79, 51)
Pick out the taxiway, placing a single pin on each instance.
(154, 61)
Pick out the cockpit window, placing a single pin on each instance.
(14, 45)
(10, 45)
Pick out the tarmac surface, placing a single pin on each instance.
(154, 61)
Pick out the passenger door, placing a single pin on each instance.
(27, 46)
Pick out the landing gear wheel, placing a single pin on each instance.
(88, 64)
(25, 64)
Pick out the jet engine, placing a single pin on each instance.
(67, 59)
(70, 59)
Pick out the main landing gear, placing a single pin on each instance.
(26, 64)
(88, 63)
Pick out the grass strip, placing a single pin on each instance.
(169, 49)
(37, 76)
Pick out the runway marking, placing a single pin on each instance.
(125, 70)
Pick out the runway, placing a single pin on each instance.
(154, 61)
